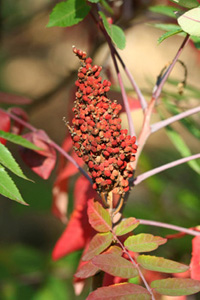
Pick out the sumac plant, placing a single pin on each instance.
(116, 258)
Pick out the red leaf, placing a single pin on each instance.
(78, 231)
(86, 270)
(75, 235)
(120, 291)
(115, 265)
(60, 189)
(41, 162)
(17, 127)
(4, 124)
(195, 261)
(99, 243)
(99, 217)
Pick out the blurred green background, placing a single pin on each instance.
(37, 62)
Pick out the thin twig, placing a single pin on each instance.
(150, 173)
(169, 226)
(155, 127)
(158, 89)
(50, 142)
(136, 266)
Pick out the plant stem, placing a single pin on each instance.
(136, 266)
(50, 142)
(133, 82)
(157, 126)
(169, 226)
(146, 127)
(150, 173)
(158, 89)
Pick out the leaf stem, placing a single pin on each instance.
(157, 126)
(136, 266)
(150, 173)
(169, 226)
(50, 142)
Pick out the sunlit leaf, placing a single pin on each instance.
(122, 291)
(190, 21)
(144, 242)
(126, 226)
(176, 286)
(8, 161)
(99, 242)
(94, 1)
(8, 187)
(68, 13)
(115, 265)
(161, 264)
(99, 217)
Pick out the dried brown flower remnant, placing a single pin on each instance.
(96, 131)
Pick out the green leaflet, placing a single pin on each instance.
(8, 187)
(115, 32)
(176, 286)
(182, 148)
(19, 140)
(68, 13)
(8, 161)
(186, 3)
(164, 10)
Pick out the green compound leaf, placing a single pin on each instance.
(8, 161)
(115, 32)
(161, 264)
(164, 10)
(190, 21)
(19, 140)
(120, 291)
(68, 13)
(94, 1)
(187, 3)
(99, 217)
(126, 226)
(176, 286)
(8, 187)
(182, 148)
(115, 265)
(144, 242)
(99, 242)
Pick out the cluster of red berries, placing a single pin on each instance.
(96, 131)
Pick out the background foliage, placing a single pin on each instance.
(28, 234)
